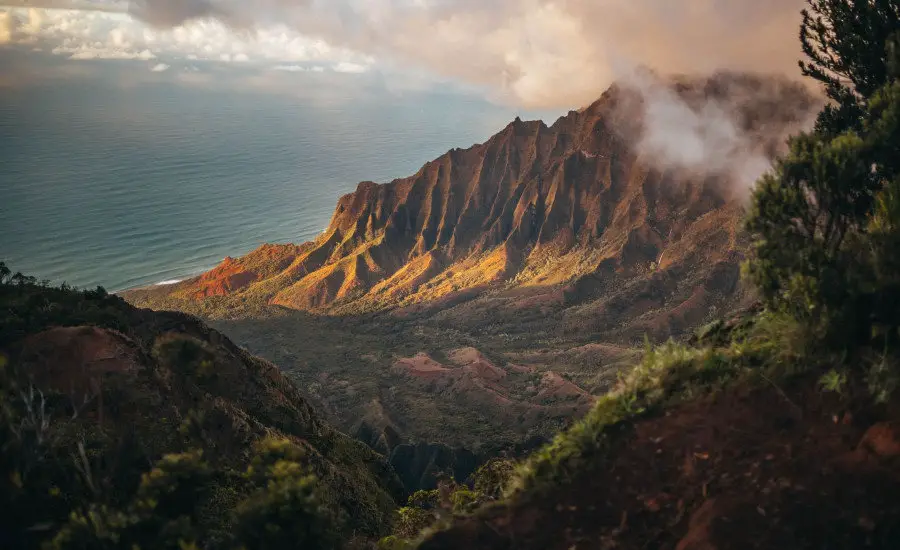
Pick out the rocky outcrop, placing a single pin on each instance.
(421, 465)
(576, 213)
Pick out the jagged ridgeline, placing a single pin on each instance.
(147, 425)
(577, 220)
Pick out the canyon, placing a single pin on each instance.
(491, 296)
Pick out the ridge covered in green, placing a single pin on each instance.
(127, 428)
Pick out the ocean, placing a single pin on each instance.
(117, 186)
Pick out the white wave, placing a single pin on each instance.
(168, 282)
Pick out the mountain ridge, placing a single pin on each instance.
(552, 251)
(579, 195)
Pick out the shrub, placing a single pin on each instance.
(185, 355)
(410, 521)
(393, 542)
(833, 381)
(883, 377)
(465, 501)
(161, 515)
(492, 478)
(823, 219)
(285, 511)
(802, 215)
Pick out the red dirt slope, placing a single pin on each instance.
(747, 469)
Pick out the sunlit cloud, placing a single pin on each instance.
(348, 67)
(7, 27)
(115, 35)
(98, 51)
(535, 53)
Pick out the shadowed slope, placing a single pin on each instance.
(135, 376)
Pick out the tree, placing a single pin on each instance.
(849, 45)
(811, 216)
(801, 214)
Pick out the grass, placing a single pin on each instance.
(771, 347)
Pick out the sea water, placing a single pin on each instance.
(152, 183)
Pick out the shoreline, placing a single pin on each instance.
(164, 282)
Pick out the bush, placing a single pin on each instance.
(492, 478)
(185, 355)
(410, 521)
(802, 215)
(827, 223)
(161, 515)
(285, 511)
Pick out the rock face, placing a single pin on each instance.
(421, 465)
(570, 214)
(235, 274)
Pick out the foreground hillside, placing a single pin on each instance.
(492, 296)
(97, 394)
(735, 445)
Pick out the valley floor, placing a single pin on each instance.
(431, 382)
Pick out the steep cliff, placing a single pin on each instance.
(577, 219)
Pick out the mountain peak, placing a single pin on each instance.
(577, 211)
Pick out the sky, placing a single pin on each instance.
(534, 54)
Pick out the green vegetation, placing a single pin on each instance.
(426, 511)
(826, 219)
(356, 368)
(123, 428)
(285, 510)
(666, 375)
(201, 464)
(825, 259)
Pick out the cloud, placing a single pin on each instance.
(98, 51)
(8, 25)
(169, 13)
(729, 125)
(538, 52)
(348, 67)
(68, 31)
(299, 68)
(159, 68)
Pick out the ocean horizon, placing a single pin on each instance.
(158, 182)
